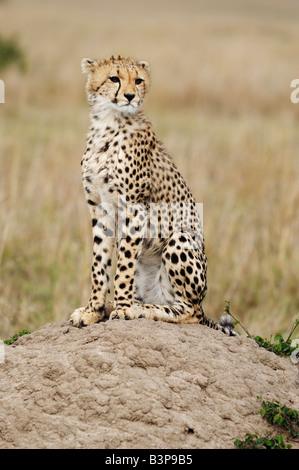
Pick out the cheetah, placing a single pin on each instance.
(140, 203)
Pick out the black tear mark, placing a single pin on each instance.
(115, 100)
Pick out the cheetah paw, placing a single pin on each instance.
(124, 313)
(84, 317)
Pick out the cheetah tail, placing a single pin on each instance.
(227, 326)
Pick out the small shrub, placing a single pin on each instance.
(253, 441)
(282, 347)
(15, 337)
(278, 415)
(283, 416)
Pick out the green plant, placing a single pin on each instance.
(237, 322)
(253, 441)
(278, 415)
(283, 416)
(15, 337)
(282, 347)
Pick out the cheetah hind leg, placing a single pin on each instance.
(178, 312)
(175, 313)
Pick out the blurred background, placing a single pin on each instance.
(220, 101)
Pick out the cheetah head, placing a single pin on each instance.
(117, 84)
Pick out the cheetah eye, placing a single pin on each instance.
(138, 81)
(114, 79)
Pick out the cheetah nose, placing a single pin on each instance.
(129, 96)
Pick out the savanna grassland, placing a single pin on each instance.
(220, 100)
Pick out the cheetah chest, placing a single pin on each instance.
(100, 167)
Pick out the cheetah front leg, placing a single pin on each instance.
(129, 247)
(103, 244)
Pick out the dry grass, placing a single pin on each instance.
(220, 100)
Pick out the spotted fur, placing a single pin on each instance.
(138, 198)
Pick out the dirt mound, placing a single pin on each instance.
(137, 384)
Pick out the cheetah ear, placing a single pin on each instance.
(88, 65)
(144, 65)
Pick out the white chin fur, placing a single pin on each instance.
(125, 108)
(100, 104)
